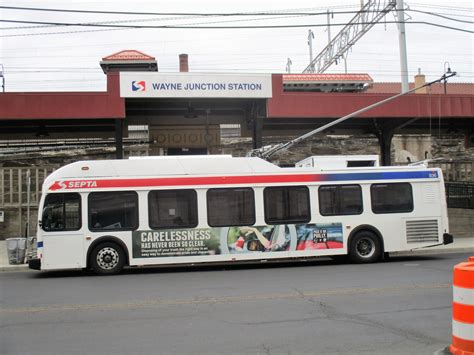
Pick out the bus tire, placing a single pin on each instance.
(107, 259)
(365, 248)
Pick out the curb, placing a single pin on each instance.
(433, 252)
(21, 267)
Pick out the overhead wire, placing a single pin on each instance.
(226, 27)
(55, 25)
(108, 24)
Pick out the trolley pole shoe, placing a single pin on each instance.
(463, 309)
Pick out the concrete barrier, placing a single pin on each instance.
(463, 309)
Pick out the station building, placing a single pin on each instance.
(186, 112)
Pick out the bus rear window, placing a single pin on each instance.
(286, 204)
(172, 208)
(61, 212)
(391, 198)
(116, 210)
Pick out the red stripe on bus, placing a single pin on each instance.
(215, 180)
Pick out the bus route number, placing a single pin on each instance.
(320, 236)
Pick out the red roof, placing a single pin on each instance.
(438, 88)
(290, 104)
(129, 54)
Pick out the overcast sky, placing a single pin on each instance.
(66, 58)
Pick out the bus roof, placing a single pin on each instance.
(166, 165)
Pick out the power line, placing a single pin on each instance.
(440, 15)
(219, 27)
(283, 14)
(201, 14)
(444, 7)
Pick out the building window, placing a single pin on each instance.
(391, 198)
(61, 212)
(286, 204)
(116, 210)
(230, 207)
(340, 200)
(172, 209)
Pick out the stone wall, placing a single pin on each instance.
(318, 145)
(461, 222)
(405, 149)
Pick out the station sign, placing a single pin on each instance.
(194, 85)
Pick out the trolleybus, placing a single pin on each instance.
(106, 215)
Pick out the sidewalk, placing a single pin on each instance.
(460, 245)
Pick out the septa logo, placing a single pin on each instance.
(58, 185)
(138, 85)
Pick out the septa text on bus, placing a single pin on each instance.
(81, 184)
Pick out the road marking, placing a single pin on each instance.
(221, 300)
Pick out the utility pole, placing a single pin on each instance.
(310, 44)
(329, 14)
(288, 65)
(400, 16)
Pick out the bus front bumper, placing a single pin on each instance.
(34, 264)
(447, 238)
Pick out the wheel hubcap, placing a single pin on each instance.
(365, 247)
(107, 258)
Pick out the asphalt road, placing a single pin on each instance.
(402, 306)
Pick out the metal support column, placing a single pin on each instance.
(257, 141)
(400, 16)
(385, 142)
(119, 139)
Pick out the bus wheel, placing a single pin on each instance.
(365, 248)
(107, 259)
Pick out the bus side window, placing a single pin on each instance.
(391, 198)
(339, 200)
(116, 210)
(172, 208)
(286, 205)
(61, 212)
(230, 207)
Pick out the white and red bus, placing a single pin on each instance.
(106, 215)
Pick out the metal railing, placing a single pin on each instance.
(15, 183)
(20, 193)
(455, 171)
(460, 194)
